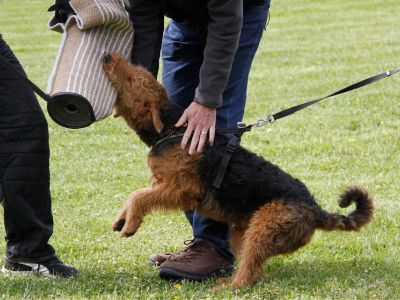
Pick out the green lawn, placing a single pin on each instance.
(309, 49)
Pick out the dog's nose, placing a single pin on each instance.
(106, 57)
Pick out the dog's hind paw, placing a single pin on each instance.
(222, 283)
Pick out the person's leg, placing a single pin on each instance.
(234, 97)
(182, 58)
(24, 171)
(182, 54)
(232, 109)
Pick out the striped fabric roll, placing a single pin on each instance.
(77, 75)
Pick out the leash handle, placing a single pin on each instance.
(24, 79)
(292, 110)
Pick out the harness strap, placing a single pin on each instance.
(230, 148)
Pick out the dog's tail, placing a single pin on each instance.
(356, 219)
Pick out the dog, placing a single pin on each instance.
(269, 211)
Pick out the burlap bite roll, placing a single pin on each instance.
(81, 93)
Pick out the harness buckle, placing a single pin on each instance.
(265, 121)
(232, 144)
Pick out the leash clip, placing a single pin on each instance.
(265, 121)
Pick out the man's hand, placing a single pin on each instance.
(200, 121)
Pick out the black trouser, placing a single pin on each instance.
(24, 168)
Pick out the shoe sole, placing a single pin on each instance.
(173, 274)
(36, 271)
(26, 273)
(11, 272)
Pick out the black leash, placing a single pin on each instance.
(234, 141)
(289, 111)
(24, 79)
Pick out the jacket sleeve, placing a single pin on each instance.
(148, 23)
(224, 27)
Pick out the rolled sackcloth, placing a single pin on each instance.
(81, 93)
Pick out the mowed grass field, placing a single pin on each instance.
(310, 48)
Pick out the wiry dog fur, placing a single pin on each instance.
(270, 212)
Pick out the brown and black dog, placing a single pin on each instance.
(269, 211)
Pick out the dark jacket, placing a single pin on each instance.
(221, 19)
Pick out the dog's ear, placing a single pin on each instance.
(155, 115)
(130, 81)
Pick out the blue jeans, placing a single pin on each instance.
(182, 55)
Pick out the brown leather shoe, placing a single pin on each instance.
(158, 258)
(199, 261)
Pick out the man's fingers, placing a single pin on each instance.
(195, 140)
(200, 122)
(202, 140)
(188, 132)
(186, 136)
(211, 135)
(182, 120)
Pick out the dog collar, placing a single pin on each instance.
(174, 135)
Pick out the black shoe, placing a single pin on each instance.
(48, 268)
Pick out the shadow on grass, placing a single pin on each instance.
(322, 276)
(88, 284)
(281, 278)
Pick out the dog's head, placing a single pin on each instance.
(112, 67)
(140, 96)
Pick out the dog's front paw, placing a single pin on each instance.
(130, 217)
(118, 225)
(120, 220)
(126, 229)
(130, 227)
(128, 233)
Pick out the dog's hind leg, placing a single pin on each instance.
(276, 228)
(236, 238)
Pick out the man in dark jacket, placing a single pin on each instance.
(207, 51)
(24, 178)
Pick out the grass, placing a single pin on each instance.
(309, 49)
